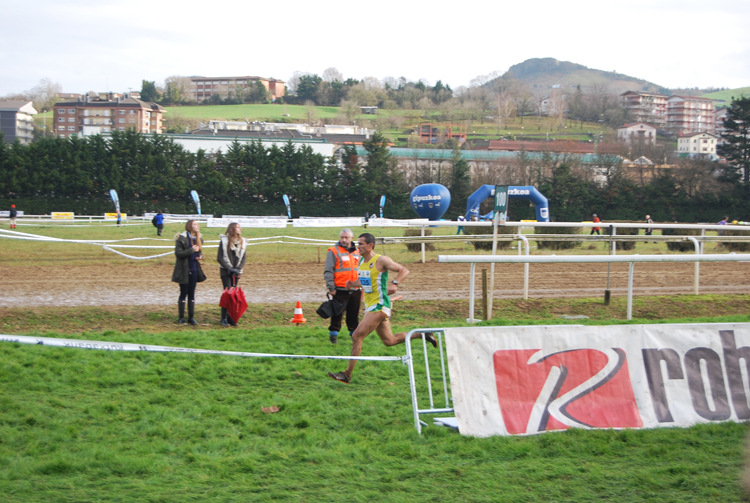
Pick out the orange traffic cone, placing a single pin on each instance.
(298, 314)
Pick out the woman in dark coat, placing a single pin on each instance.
(231, 258)
(187, 268)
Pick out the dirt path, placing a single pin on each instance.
(128, 284)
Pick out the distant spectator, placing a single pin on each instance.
(119, 219)
(460, 230)
(159, 223)
(649, 230)
(13, 215)
(596, 229)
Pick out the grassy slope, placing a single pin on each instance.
(728, 94)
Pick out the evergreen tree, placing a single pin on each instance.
(736, 148)
(148, 91)
(460, 185)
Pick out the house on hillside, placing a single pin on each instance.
(637, 132)
(17, 121)
(701, 145)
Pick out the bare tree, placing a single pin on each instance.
(177, 88)
(293, 81)
(42, 95)
(349, 109)
(390, 83)
(556, 107)
(332, 75)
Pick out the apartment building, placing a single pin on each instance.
(201, 88)
(690, 114)
(17, 121)
(104, 113)
(650, 108)
(697, 145)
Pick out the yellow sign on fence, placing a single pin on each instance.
(62, 215)
(113, 216)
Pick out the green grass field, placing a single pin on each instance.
(85, 426)
(728, 94)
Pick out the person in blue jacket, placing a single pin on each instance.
(159, 223)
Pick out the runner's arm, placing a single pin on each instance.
(388, 264)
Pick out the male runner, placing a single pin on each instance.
(373, 278)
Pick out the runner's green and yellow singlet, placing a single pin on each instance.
(375, 285)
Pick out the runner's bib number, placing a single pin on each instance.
(365, 281)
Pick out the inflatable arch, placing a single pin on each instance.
(514, 192)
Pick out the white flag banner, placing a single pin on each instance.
(328, 222)
(264, 223)
(532, 379)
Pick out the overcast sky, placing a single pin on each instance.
(113, 45)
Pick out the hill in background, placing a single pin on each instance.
(542, 74)
(727, 95)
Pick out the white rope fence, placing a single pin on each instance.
(125, 346)
(110, 244)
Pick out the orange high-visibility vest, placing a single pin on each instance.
(345, 268)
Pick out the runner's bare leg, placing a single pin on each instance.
(370, 321)
(391, 339)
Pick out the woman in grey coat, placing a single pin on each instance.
(231, 258)
(187, 268)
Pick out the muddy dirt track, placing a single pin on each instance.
(126, 284)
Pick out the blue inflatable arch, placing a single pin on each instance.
(514, 192)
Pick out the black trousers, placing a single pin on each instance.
(351, 302)
(226, 281)
(188, 289)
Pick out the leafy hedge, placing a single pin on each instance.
(557, 245)
(155, 173)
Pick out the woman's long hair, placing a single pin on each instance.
(198, 238)
(231, 232)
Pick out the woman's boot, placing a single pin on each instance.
(191, 312)
(181, 310)
(224, 317)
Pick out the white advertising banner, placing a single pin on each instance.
(388, 222)
(265, 223)
(532, 379)
(328, 222)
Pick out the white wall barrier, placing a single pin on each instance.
(254, 222)
(342, 222)
(533, 379)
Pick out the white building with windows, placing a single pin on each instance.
(697, 145)
(17, 121)
(637, 132)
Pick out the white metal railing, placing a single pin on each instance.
(613, 225)
(409, 361)
(578, 259)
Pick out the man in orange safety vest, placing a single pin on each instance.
(342, 263)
